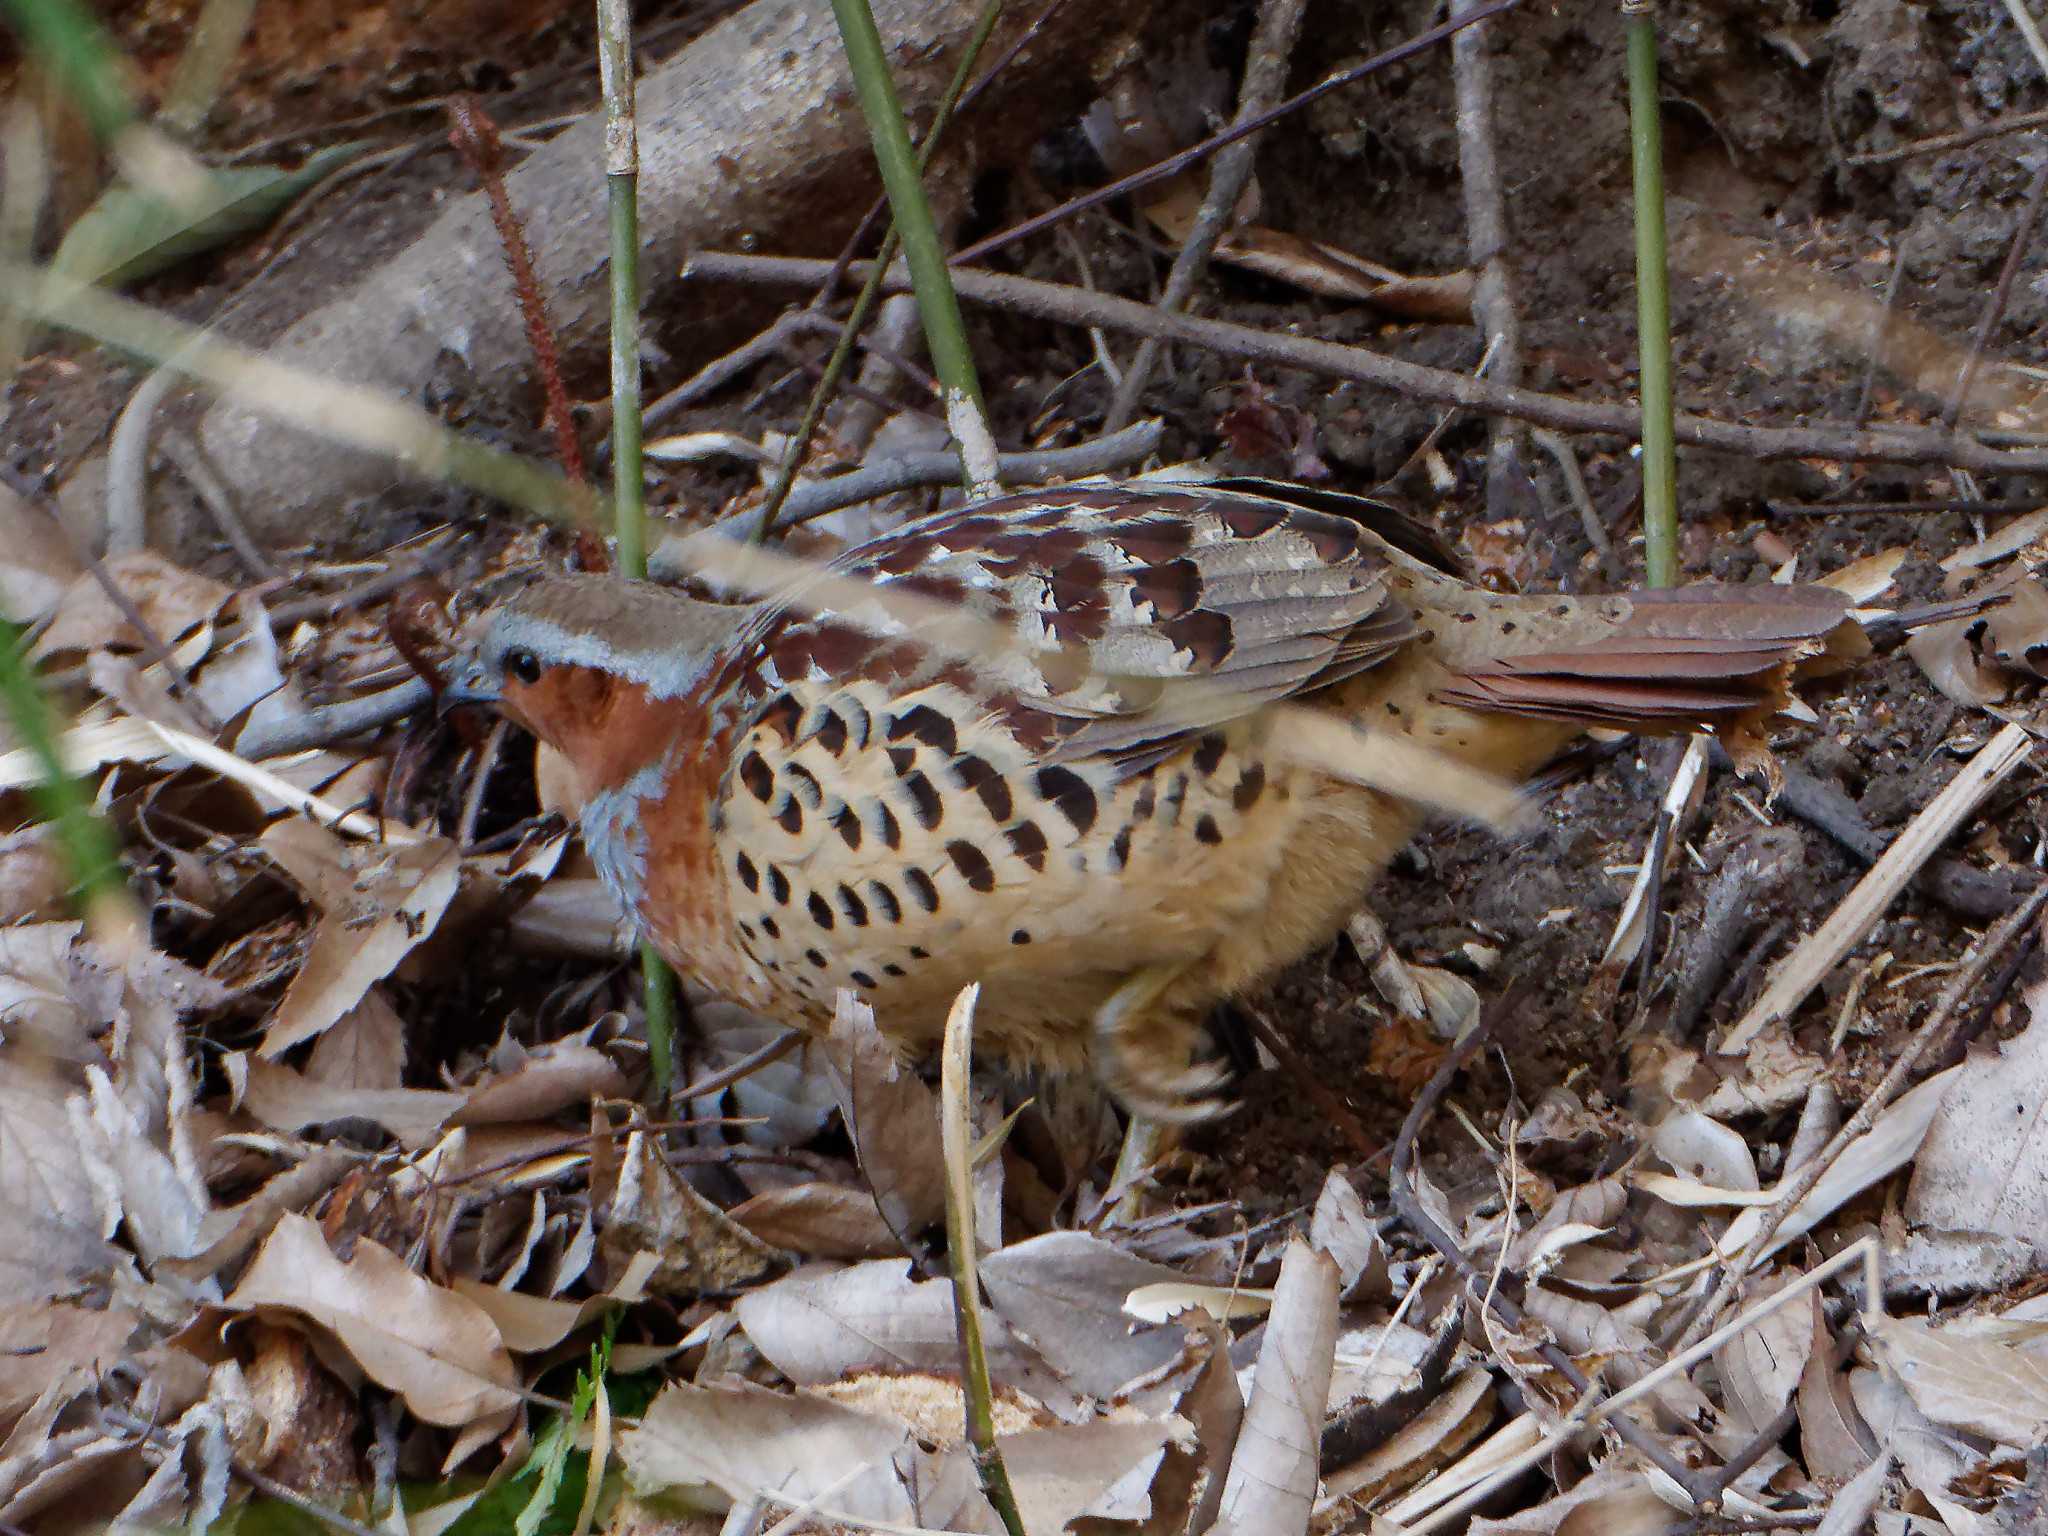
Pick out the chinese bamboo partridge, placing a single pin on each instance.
(1092, 819)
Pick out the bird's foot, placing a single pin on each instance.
(1144, 1055)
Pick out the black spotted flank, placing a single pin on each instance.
(1249, 788)
(815, 958)
(922, 888)
(855, 909)
(863, 979)
(883, 897)
(806, 785)
(902, 759)
(927, 725)
(924, 800)
(770, 927)
(832, 733)
(981, 776)
(1068, 791)
(892, 830)
(1206, 830)
(1209, 754)
(821, 910)
(919, 952)
(791, 816)
(893, 969)
(1020, 937)
(1028, 843)
(847, 825)
(756, 775)
(973, 865)
(1148, 799)
(1120, 846)
(750, 877)
(778, 886)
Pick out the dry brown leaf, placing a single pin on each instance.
(46, 1344)
(1971, 1380)
(2018, 630)
(893, 1118)
(1271, 1485)
(1893, 1137)
(744, 1442)
(819, 1220)
(1064, 1473)
(533, 1082)
(529, 1324)
(1951, 657)
(818, 1327)
(791, 1098)
(39, 566)
(285, 1100)
(1701, 1148)
(364, 1048)
(1614, 1501)
(376, 902)
(171, 599)
(1932, 1458)
(1984, 1165)
(1064, 1293)
(1340, 1227)
(437, 1350)
(575, 916)
(1763, 1365)
(1452, 1420)
(699, 1247)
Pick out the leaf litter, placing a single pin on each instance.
(435, 1244)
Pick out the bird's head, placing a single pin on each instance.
(594, 666)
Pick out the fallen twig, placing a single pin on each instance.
(1265, 77)
(1959, 885)
(1932, 1029)
(475, 138)
(1081, 308)
(1486, 238)
(1802, 970)
(1401, 1189)
(330, 723)
(2016, 122)
(815, 498)
(1195, 154)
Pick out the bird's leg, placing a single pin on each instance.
(1144, 1055)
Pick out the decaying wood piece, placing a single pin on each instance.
(751, 134)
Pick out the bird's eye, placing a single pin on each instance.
(523, 665)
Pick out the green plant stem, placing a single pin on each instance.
(68, 41)
(870, 292)
(944, 330)
(86, 842)
(963, 1259)
(343, 413)
(629, 480)
(1653, 296)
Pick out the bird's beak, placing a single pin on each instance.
(468, 683)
